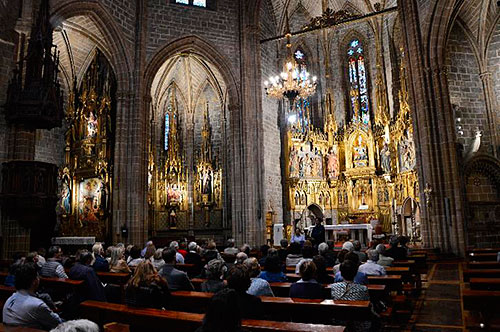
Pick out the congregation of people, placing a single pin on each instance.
(238, 276)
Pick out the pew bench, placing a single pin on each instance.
(155, 320)
(484, 307)
(282, 308)
(480, 273)
(7, 328)
(482, 256)
(492, 284)
(484, 265)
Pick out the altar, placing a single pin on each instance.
(354, 229)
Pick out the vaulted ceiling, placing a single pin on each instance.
(314, 8)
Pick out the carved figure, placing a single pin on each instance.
(91, 125)
(65, 197)
(360, 155)
(332, 164)
(385, 158)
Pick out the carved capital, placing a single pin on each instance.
(484, 76)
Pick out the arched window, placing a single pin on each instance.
(358, 86)
(167, 129)
(210, 4)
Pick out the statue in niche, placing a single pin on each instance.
(297, 198)
(65, 203)
(294, 162)
(103, 198)
(206, 182)
(332, 163)
(327, 199)
(173, 194)
(172, 219)
(360, 155)
(385, 158)
(301, 166)
(407, 152)
(91, 125)
(386, 195)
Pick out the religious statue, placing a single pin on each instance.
(360, 155)
(407, 153)
(65, 203)
(332, 163)
(294, 163)
(385, 158)
(103, 197)
(206, 182)
(91, 125)
(172, 219)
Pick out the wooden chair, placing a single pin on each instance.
(116, 327)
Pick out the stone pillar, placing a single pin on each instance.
(434, 128)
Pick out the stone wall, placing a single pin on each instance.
(493, 58)
(466, 91)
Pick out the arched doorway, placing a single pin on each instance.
(409, 223)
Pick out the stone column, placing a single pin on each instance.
(434, 132)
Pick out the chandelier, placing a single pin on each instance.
(293, 82)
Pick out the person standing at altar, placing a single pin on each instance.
(318, 233)
(298, 237)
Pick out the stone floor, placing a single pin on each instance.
(439, 307)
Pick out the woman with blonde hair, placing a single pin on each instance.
(117, 263)
(147, 288)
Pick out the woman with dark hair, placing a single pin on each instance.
(322, 275)
(223, 314)
(294, 255)
(147, 288)
(307, 287)
(214, 271)
(272, 270)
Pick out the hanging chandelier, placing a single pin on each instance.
(293, 82)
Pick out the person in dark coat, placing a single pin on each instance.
(239, 279)
(318, 233)
(92, 288)
(193, 257)
(307, 287)
(177, 280)
(100, 263)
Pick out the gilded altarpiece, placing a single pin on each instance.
(86, 189)
(359, 172)
(184, 199)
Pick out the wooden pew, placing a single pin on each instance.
(492, 284)
(481, 250)
(482, 256)
(392, 282)
(484, 307)
(282, 289)
(484, 265)
(282, 308)
(155, 320)
(6, 328)
(114, 278)
(480, 273)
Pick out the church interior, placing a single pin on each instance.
(245, 123)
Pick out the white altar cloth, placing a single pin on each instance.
(350, 227)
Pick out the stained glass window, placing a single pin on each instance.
(200, 3)
(185, 2)
(358, 83)
(167, 129)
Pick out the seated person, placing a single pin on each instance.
(10, 280)
(146, 288)
(357, 250)
(294, 254)
(283, 250)
(307, 287)
(53, 266)
(350, 291)
(211, 252)
(238, 279)
(214, 272)
(298, 237)
(223, 305)
(272, 270)
(134, 257)
(117, 263)
(100, 263)
(360, 277)
(322, 275)
(307, 255)
(77, 325)
(240, 258)
(193, 257)
(382, 259)
(264, 250)
(340, 260)
(157, 259)
(93, 288)
(179, 259)
(327, 253)
(371, 268)
(231, 249)
(177, 280)
(23, 308)
(258, 287)
(395, 251)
